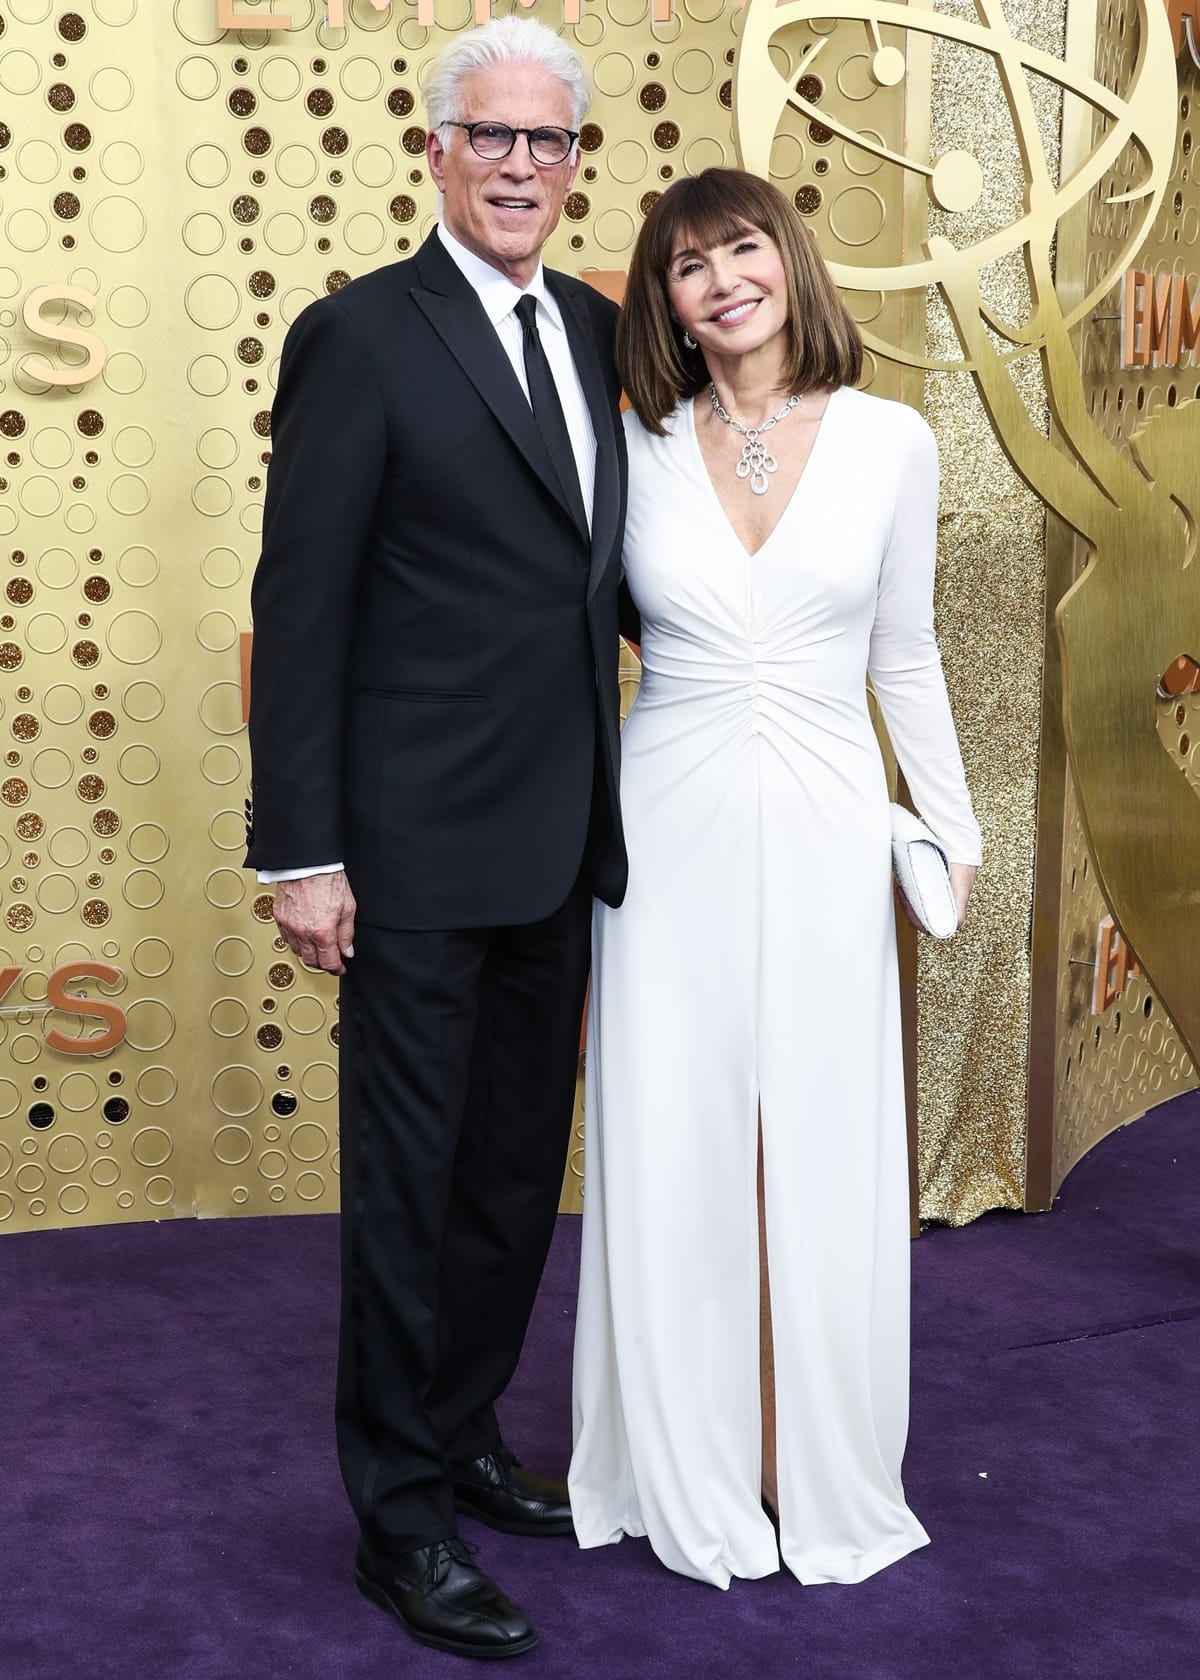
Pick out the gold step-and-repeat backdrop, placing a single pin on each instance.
(177, 182)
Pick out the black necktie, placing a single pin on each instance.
(547, 410)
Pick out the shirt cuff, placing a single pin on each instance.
(269, 875)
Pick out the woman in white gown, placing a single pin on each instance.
(741, 1356)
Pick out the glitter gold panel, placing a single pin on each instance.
(975, 993)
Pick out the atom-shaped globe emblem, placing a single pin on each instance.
(1128, 164)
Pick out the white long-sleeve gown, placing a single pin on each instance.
(753, 962)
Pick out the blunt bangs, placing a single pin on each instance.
(699, 213)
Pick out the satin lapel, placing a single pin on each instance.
(606, 496)
(457, 317)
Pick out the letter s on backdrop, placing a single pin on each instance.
(59, 332)
(59, 998)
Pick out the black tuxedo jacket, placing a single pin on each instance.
(434, 694)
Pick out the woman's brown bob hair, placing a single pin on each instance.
(704, 211)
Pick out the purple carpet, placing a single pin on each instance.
(170, 1505)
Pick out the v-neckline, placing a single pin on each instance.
(752, 554)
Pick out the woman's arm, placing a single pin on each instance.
(906, 669)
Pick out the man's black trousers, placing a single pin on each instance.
(459, 1052)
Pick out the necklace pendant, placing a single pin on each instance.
(755, 462)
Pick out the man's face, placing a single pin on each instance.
(505, 209)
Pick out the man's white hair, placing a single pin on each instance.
(506, 40)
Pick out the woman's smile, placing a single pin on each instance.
(735, 313)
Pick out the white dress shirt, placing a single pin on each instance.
(499, 297)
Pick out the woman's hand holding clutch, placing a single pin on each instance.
(933, 890)
(962, 879)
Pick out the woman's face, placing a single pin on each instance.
(732, 298)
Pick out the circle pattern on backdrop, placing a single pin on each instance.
(122, 163)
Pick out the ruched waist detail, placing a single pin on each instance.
(753, 688)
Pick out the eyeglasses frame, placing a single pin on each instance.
(490, 122)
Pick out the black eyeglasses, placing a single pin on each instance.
(495, 140)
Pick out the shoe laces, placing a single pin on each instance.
(446, 1552)
(504, 1460)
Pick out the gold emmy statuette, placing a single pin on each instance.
(1134, 610)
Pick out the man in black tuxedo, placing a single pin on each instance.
(434, 730)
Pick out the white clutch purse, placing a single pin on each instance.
(923, 872)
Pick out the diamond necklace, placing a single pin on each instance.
(756, 460)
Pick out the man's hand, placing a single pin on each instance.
(315, 915)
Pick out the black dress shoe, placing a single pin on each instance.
(440, 1598)
(502, 1493)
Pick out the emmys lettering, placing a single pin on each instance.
(229, 16)
(72, 1003)
(58, 332)
(1160, 322)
